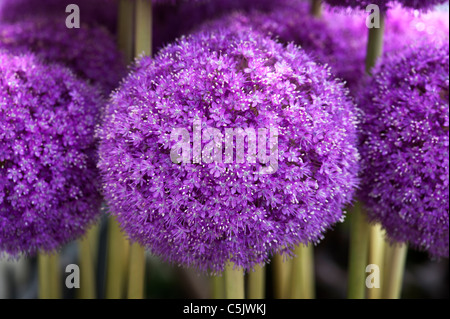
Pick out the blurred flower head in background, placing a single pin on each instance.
(90, 51)
(49, 190)
(96, 12)
(385, 5)
(405, 147)
(339, 39)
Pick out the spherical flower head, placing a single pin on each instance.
(49, 192)
(359, 4)
(405, 147)
(337, 39)
(406, 27)
(95, 12)
(202, 213)
(330, 40)
(90, 52)
(384, 5)
(421, 4)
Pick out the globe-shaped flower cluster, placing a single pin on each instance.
(89, 51)
(92, 12)
(49, 186)
(386, 4)
(205, 214)
(336, 39)
(405, 147)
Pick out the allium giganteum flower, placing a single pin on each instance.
(89, 51)
(405, 147)
(386, 4)
(95, 12)
(339, 40)
(361, 4)
(48, 177)
(203, 215)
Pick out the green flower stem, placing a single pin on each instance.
(44, 277)
(281, 272)
(125, 28)
(87, 264)
(395, 256)
(375, 45)
(142, 45)
(359, 244)
(376, 239)
(257, 283)
(217, 287)
(136, 279)
(49, 276)
(143, 27)
(117, 255)
(234, 282)
(316, 8)
(376, 257)
(302, 273)
(55, 277)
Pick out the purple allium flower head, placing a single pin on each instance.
(203, 215)
(96, 12)
(386, 4)
(405, 147)
(330, 40)
(405, 27)
(337, 39)
(91, 52)
(49, 192)
(359, 4)
(420, 4)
